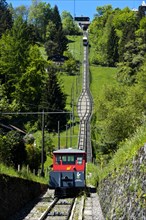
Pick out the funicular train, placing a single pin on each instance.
(85, 41)
(68, 171)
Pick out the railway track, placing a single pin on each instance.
(60, 209)
(84, 108)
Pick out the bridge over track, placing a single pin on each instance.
(84, 107)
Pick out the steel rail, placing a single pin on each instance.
(44, 215)
(55, 214)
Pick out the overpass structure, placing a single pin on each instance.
(83, 22)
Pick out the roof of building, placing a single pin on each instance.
(143, 3)
(68, 150)
(58, 58)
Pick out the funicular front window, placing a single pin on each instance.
(64, 159)
(68, 159)
(71, 159)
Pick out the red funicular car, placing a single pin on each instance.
(68, 170)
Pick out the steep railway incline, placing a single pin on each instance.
(85, 107)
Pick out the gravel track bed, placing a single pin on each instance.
(86, 208)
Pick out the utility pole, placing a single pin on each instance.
(66, 136)
(73, 107)
(58, 135)
(42, 155)
(70, 130)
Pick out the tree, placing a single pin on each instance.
(53, 100)
(5, 17)
(50, 45)
(132, 61)
(28, 89)
(39, 15)
(14, 53)
(69, 26)
(125, 23)
(56, 19)
(70, 66)
(57, 44)
(102, 10)
(118, 116)
(21, 11)
(33, 158)
(12, 149)
(56, 41)
(112, 44)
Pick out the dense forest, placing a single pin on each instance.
(30, 80)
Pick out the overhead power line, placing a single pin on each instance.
(32, 113)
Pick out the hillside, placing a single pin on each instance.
(120, 164)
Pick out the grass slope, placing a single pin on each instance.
(100, 77)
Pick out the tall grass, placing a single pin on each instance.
(23, 173)
(127, 150)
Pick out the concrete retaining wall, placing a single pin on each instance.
(123, 193)
(15, 193)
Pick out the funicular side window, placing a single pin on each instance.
(79, 159)
(58, 159)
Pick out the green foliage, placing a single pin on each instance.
(39, 15)
(127, 150)
(69, 26)
(118, 110)
(56, 41)
(112, 47)
(20, 11)
(53, 100)
(14, 47)
(24, 79)
(118, 114)
(16, 150)
(48, 141)
(29, 88)
(33, 159)
(12, 149)
(92, 177)
(70, 66)
(116, 36)
(5, 18)
(56, 18)
(24, 173)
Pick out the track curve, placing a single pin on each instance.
(84, 108)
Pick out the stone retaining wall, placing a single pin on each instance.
(15, 193)
(123, 193)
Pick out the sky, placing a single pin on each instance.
(82, 7)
